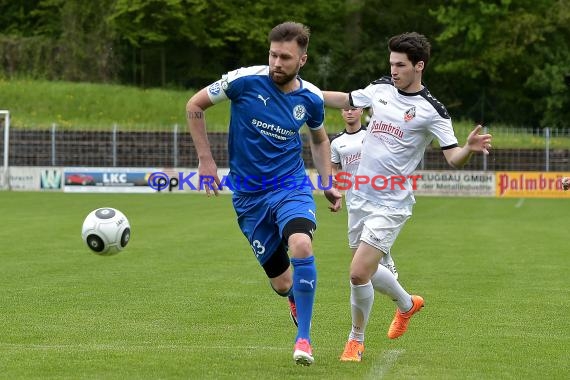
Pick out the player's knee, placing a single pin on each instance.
(359, 275)
(300, 246)
(298, 233)
(358, 278)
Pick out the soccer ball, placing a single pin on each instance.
(106, 231)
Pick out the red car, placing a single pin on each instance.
(79, 179)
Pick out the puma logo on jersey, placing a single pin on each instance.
(303, 281)
(262, 99)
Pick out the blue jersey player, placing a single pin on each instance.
(269, 105)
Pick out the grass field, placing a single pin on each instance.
(187, 300)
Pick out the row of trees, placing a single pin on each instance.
(504, 61)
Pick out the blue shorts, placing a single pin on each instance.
(263, 217)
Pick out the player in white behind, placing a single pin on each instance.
(405, 119)
(345, 157)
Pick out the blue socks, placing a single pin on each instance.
(304, 285)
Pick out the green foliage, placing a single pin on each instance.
(141, 22)
(512, 56)
(498, 61)
(66, 40)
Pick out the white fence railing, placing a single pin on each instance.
(117, 147)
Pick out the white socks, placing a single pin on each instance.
(384, 282)
(361, 301)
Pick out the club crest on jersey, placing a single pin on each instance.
(410, 114)
(299, 112)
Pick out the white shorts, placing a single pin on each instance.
(375, 224)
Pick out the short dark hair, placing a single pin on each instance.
(416, 46)
(289, 31)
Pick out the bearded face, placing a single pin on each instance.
(285, 61)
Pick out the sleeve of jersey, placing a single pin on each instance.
(316, 108)
(361, 98)
(225, 88)
(335, 157)
(317, 116)
(442, 129)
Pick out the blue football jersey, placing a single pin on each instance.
(265, 144)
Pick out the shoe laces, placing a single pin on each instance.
(303, 345)
(401, 321)
(353, 346)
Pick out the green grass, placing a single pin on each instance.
(41, 104)
(187, 300)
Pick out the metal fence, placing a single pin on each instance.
(128, 148)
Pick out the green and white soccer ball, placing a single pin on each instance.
(106, 231)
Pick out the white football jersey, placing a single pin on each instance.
(345, 151)
(401, 127)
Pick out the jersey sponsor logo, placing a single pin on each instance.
(299, 112)
(214, 88)
(351, 158)
(263, 99)
(410, 114)
(389, 128)
(272, 130)
(382, 101)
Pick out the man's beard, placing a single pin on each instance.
(282, 78)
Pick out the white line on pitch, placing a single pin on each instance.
(141, 347)
(382, 366)
(519, 203)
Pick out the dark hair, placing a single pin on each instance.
(289, 31)
(416, 46)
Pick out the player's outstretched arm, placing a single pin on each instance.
(336, 99)
(321, 151)
(207, 168)
(457, 157)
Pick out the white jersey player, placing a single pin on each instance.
(346, 150)
(406, 117)
(346, 146)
